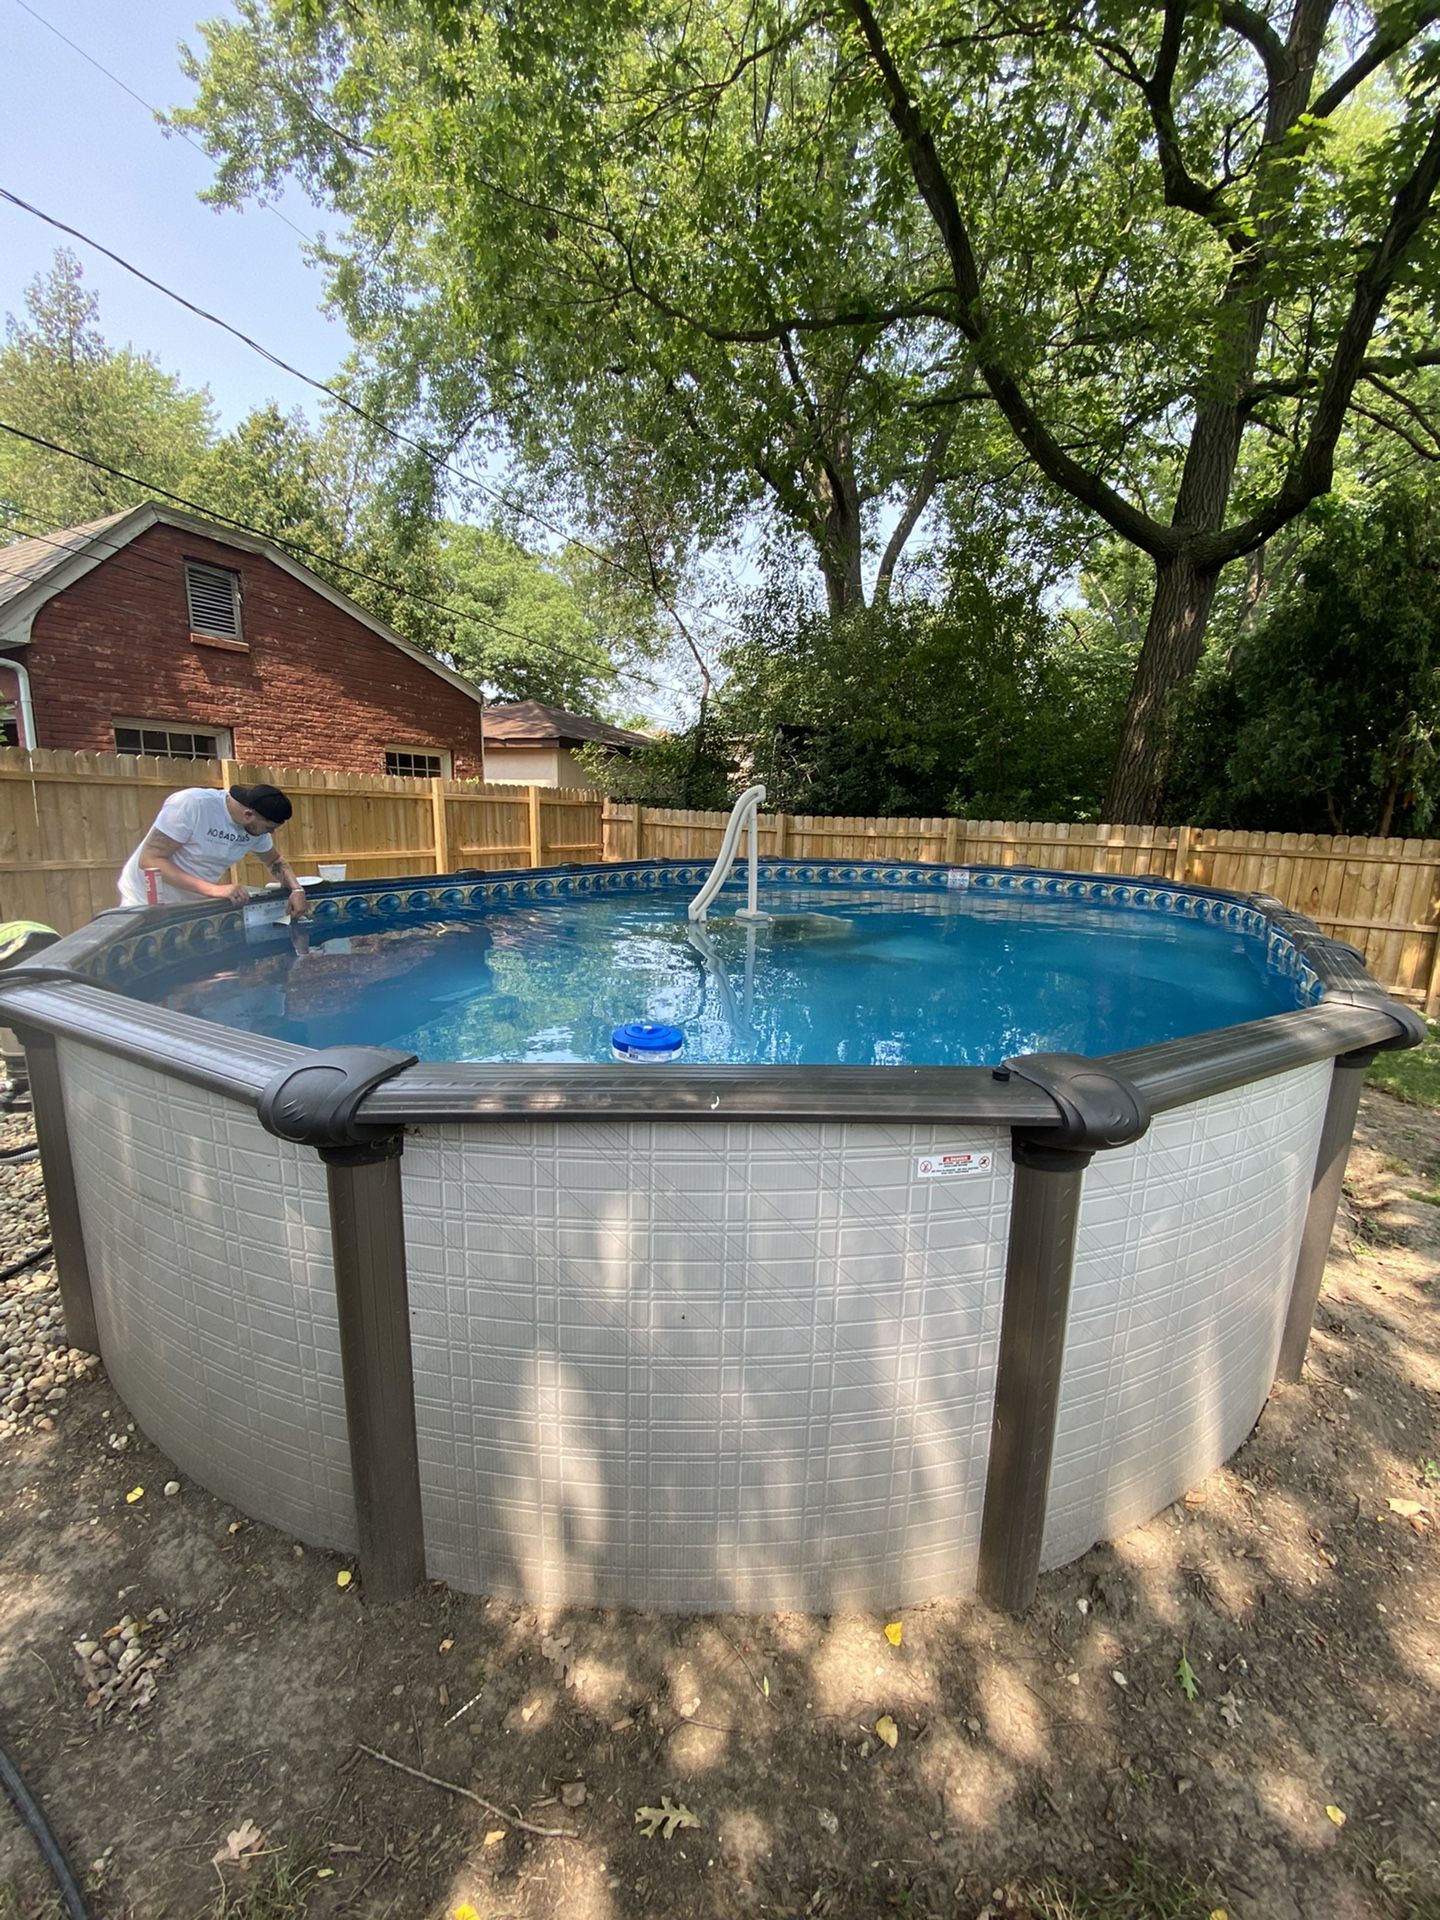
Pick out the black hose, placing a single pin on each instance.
(31, 1812)
(30, 1260)
(25, 1152)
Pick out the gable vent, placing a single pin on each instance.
(214, 597)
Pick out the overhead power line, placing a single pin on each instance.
(438, 461)
(139, 100)
(322, 562)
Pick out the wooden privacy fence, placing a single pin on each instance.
(69, 821)
(1382, 896)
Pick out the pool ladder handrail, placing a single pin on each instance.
(745, 811)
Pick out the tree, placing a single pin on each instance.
(565, 289)
(276, 473)
(60, 382)
(694, 769)
(557, 631)
(1325, 718)
(975, 705)
(1129, 227)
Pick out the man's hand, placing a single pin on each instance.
(299, 905)
(224, 890)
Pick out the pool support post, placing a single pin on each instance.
(1096, 1108)
(1336, 1133)
(1331, 1156)
(316, 1105)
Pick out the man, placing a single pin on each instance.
(198, 836)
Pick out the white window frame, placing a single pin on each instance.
(229, 577)
(442, 754)
(224, 741)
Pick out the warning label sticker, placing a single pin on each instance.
(951, 1166)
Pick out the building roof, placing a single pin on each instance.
(34, 571)
(24, 563)
(528, 724)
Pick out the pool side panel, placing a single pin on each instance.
(1185, 1254)
(62, 1201)
(703, 1366)
(208, 1245)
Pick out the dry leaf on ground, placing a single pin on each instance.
(559, 1651)
(664, 1819)
(242, 1844)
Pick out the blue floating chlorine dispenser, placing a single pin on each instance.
(640, 1041)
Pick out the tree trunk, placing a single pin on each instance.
(840, 553)
(1168, 659)
(840, 544)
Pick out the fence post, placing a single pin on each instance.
(229, 774)
(950, 849)
(1180, 864)
(441, 825)
(782, 835)
(639, 830)
(1431, 1008)
(533, 796)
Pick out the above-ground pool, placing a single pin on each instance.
(836, 974)
(972, 1224)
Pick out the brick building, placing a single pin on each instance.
(159, 632)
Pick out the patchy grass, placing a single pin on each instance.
(1408, 1890)
(1149, 1893)
(277, 1887)
(1413, 1075)
(16, 1904)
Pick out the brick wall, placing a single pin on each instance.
(314, 688)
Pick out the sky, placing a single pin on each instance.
(74, 144)
(77, 145)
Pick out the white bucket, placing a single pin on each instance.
(332, 870)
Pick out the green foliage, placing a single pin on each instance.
(60, 381)
(692, 769)
(699, 265)
(275, 473)
(1324, 717)
(277, 1886)
(1148, 1892)
(553, 630)
(525, 626)
(976, 706)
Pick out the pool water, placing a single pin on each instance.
(840, 976)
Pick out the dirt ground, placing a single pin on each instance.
(1053, 1767)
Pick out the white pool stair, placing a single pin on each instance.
(745, 811)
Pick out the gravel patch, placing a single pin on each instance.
(38, 1367)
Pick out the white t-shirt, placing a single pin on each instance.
(208, 844)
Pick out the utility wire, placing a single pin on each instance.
(155, 112)
(323, 562)
(438, 461)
